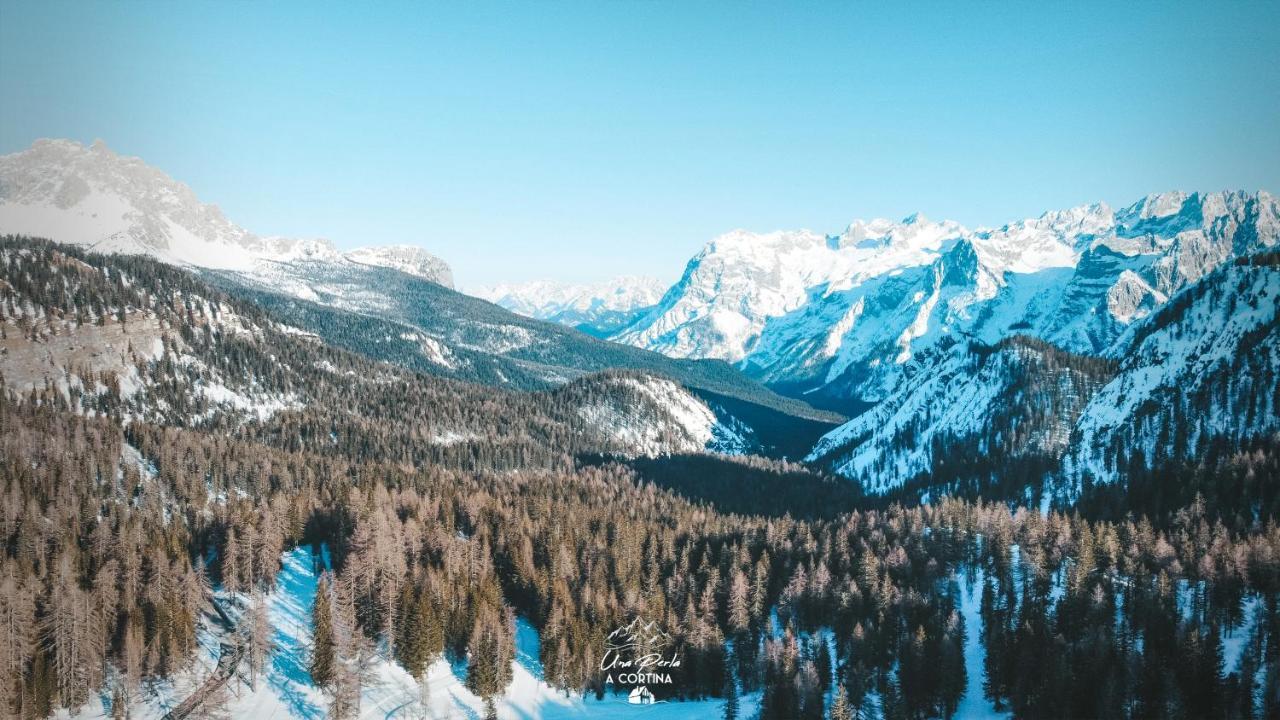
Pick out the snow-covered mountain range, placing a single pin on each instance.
(1203, 369)
(91, 196)
(843, 315)
(600, 308)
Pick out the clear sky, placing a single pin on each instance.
(581, 141)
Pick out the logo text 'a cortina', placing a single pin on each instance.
(636, 654)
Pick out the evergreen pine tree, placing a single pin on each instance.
(409, 647)
(730, 693)
(840, 709)
(322, 640)
(119, 711)
(42, 686)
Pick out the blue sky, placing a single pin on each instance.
(580, 141)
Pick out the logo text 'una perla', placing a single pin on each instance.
(637, 654)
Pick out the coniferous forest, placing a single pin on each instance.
(136, 508)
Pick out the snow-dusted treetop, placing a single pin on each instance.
(89, 195)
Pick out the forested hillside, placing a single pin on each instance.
(131, 338)
(432, 329)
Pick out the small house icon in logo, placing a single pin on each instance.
(640, 695)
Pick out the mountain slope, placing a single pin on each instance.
(1202, 372)
(130, 338)
(1018, 398)
(1205, 368)
(429, 328)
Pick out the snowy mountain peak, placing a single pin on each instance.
(1088, 219)
(283, 249)
(740, 280)
(1168, 213)
(915, 230)
(1162, 204)
(92, 196)
(748, 243)
(599, 307)
(544, 298)
(408, 259)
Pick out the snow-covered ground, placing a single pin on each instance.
(686, 422)
(974, 705)
(1234, 638)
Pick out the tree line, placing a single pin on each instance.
(107, 561)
